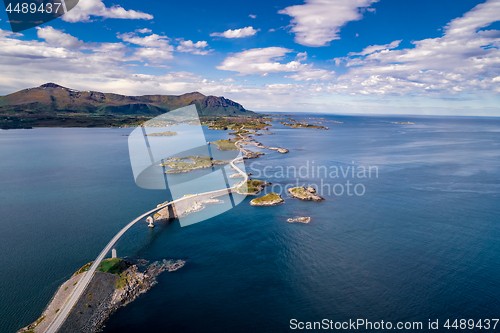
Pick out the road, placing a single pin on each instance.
(84, 282)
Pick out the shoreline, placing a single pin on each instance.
(103, 296)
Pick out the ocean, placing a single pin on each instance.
(413, 238)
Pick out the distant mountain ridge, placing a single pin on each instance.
(52, 99)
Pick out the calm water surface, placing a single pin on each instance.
(421, 243)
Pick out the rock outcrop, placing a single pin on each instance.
(270, 199)
(299, 219)
(304, 194)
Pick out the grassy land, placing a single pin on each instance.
(234, 123)
(83, 269)
(112, 266)
(187, 163)
(300, 191)
(31, 328)
(251, 186)
(177, 164)
(121, 282)
(26, 120)
(225, 145)
(267, 198)
(167, 133)
(292, 123)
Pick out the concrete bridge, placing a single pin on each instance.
(179, 204)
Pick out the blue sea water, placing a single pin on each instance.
(420, 243)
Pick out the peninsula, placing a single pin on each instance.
(116, 283)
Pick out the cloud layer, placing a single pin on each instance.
(87, 8)
(318, 22)
(237, 33)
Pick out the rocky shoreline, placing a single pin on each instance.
(270, 199)
(303, 193)
(105, 294)
(299, 219)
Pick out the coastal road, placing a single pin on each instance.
(84, 282)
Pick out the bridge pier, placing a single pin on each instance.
(113, 253)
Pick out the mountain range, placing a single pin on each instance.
(44, 105)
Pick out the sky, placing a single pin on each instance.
(320, 56)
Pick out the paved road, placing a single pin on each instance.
(84, 282)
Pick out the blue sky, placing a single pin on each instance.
(339, 56)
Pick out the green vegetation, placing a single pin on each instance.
(300, 191)
(57, 310)
(252, 186)
(31, 328)
(235, 123)
(225, 145)
(51, 105)
(66, 288)
(267, 198)
(167, 133)
(188, 163)
(83, 269)
(121, 282)
(112, 266)
(292, 123)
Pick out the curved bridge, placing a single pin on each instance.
(85, 280)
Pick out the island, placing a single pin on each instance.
(299, 219)
(292, 123)
(225, 145)
(116, 283)
(252, 187)
(303, 193)
(190, 163)
(167, 133)
(270, 199)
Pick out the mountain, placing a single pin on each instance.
(51, 99)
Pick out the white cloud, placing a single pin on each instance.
(301, 56)
(265, 60)
(196, 48)
(252, 16)
(154, 48)
(374, 48)
(58, 38)
(318, 22)
(465, 60)
(259, 61)
(144, 31)
(237, 33)
(87, 8)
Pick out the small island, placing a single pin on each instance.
(270, 199)
(189, 163)
(303, 193)
(225, 145)
(292, 123)
(299, 219)
(167, 133)
(252, 187)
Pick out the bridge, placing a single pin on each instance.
(87, 278)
